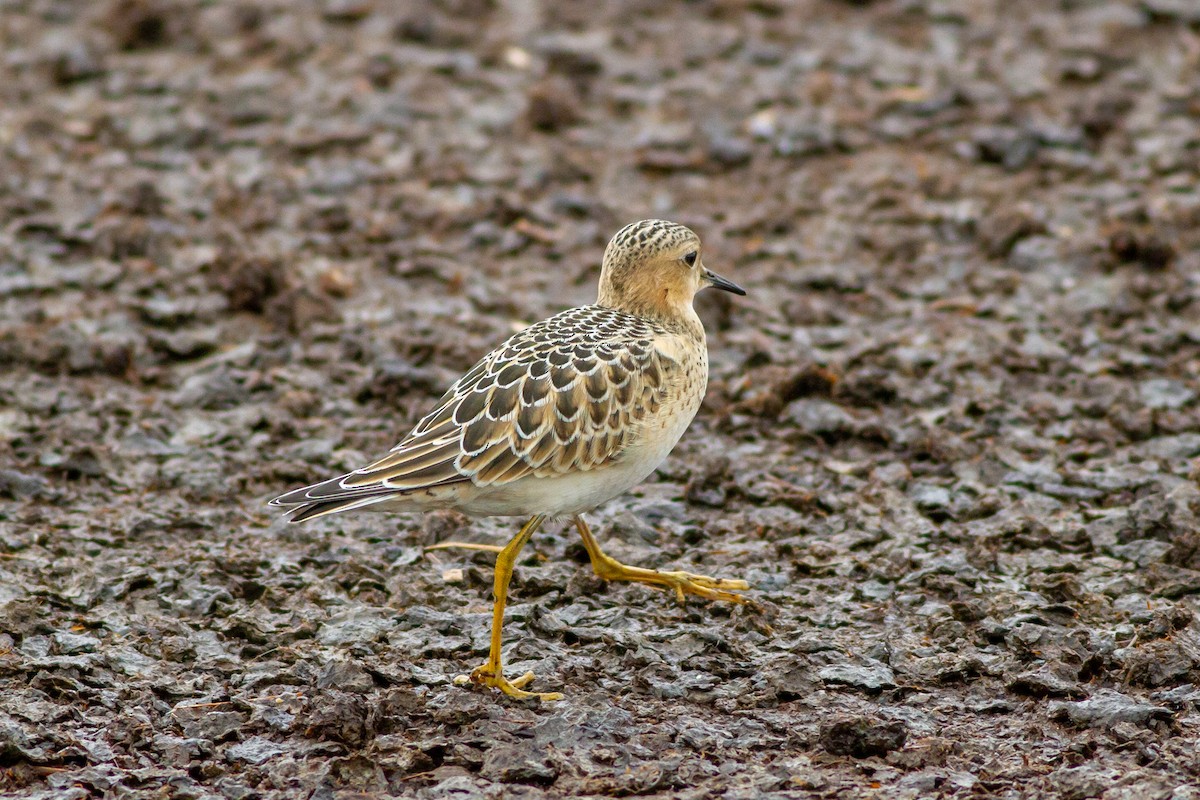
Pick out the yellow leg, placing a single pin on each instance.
(491, 673)
(491, 548)
(683, 583)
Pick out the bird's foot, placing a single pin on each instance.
(681, 583)
(685, 583)
(491, 675)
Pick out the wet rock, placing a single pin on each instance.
(1078, 783)
(248, 284)
(518, 764)
(17, 745)
(1010, 147)
(68, 643)
(19, 485)
(342, 717)
(1165, 393)
(861, 737)
(871, 678)
(1183, 696)
(1127, 245)
(1001, 232)
(346, 676)
(255, 750)
(553, 105)
(358, 625)
(1157, 663)
(930, 499)
(207, 722)
(1106, 708)
(137, 24)
(821, 418)
(1043, 682)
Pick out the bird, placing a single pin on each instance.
(560, 418)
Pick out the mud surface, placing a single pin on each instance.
(951, 435)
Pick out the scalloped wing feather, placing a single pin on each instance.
(567, 394)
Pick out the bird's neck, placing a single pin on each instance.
(677, 317)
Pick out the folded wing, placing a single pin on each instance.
(567, 394)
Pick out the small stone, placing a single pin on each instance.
(872, 678)
(299, 308)
(255, 750)
(247, 282)
(1183, 446)
(19, 485)
(1147, 249)
(347, 676)
(1043, 683)
(820, 418)
(339, 716)
(67, 643)
(357, 625)
(1184, 11)
(730, 152)
(553, 105)
(861, 737)
(1106, 708)
(346, 11)
(929, 498)
(1080, 783)
(73, 60)
(1161, 393)
(1010, 147)
(516, 764)
(207, 722)
(1001, 232)
(336, 283)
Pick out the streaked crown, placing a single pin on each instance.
(649, 236)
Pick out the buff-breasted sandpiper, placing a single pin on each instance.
(563, 416)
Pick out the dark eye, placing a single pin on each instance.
(690, 259)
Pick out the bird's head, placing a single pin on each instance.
(653, 268)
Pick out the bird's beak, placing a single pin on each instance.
(724, 284)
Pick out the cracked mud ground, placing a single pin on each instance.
(951, 436)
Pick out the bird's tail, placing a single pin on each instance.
(329, 497)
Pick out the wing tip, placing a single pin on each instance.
(301, 512)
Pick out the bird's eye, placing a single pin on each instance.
(690, 259)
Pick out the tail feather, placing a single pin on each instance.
(320, 508)
(331, 496)
(331, 489)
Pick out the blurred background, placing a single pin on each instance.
(951, 435)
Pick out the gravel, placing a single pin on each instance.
(951, 438)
